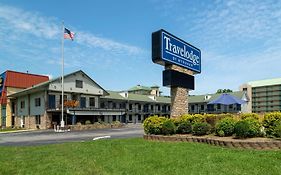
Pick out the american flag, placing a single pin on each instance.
(68, 34)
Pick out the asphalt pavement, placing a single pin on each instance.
(42, 137)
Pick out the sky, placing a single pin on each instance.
(240, 40)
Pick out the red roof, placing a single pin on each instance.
(20, 80)
(23, 80)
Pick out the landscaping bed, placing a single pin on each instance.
(97, 125)
(250, 143)
(239, 131)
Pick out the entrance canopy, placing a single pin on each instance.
(227, 99)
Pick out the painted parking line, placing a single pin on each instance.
(101, 137)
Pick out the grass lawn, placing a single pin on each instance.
(136, 156)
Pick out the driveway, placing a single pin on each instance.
(50, 137)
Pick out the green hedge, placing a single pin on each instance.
(201, 128)
(248, 127)
(225, 127)
(153, 124)
(243, 126)
(184, 127)
(168, 127)
(271, 123)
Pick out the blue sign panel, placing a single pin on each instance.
(2, 80)
(175, 51)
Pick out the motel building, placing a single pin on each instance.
(12, 82)
(36, 105)
(198, 104)
(264, 95)
(39, 106)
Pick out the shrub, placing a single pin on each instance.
(200, 128)
(115, 122)
(271, 122)
(193, 118)
(184, 127)
(225, 127)
(249, 115)
(153, 124)
(249, 127)
(222, 116)
(277, 130)
(176, 121)
(88, 122)
(168, 127)
(212, 120)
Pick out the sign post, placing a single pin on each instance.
(181, 61)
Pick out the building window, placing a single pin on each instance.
(230, 106)
(52, 101)
(130, 106)
(113, 105)
(151, 107)
(102, 105)
(139, 117)
(159, 107)
(218, 106)
(22, 104)
(79, 83)
(37, 119)
(130, 117)
(37, 102)
(139, 105)
(83, 102)
(92, 102)
(202, 107)
(123, 105)
(192, 107)
(64, 98)
(114, 118)
(244, 89)
(102, 118)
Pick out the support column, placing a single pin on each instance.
(179, 95)
(179, 101)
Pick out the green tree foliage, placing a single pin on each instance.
(220, 91)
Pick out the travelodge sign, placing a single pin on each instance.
(168, 49)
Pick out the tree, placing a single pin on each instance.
(220, 91)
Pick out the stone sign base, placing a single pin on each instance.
(179, 96)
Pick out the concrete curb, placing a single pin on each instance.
(18, 131)
(259, 145)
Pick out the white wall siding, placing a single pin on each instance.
(89, 87)
(37, 110)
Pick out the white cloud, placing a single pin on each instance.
(106, 44)
(21, 23)
(27, 22)
(239, 40)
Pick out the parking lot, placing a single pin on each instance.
(41, 137)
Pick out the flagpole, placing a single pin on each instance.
(62, 76)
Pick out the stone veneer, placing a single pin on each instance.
(30, 122)
(179, 95)
(230, 143)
